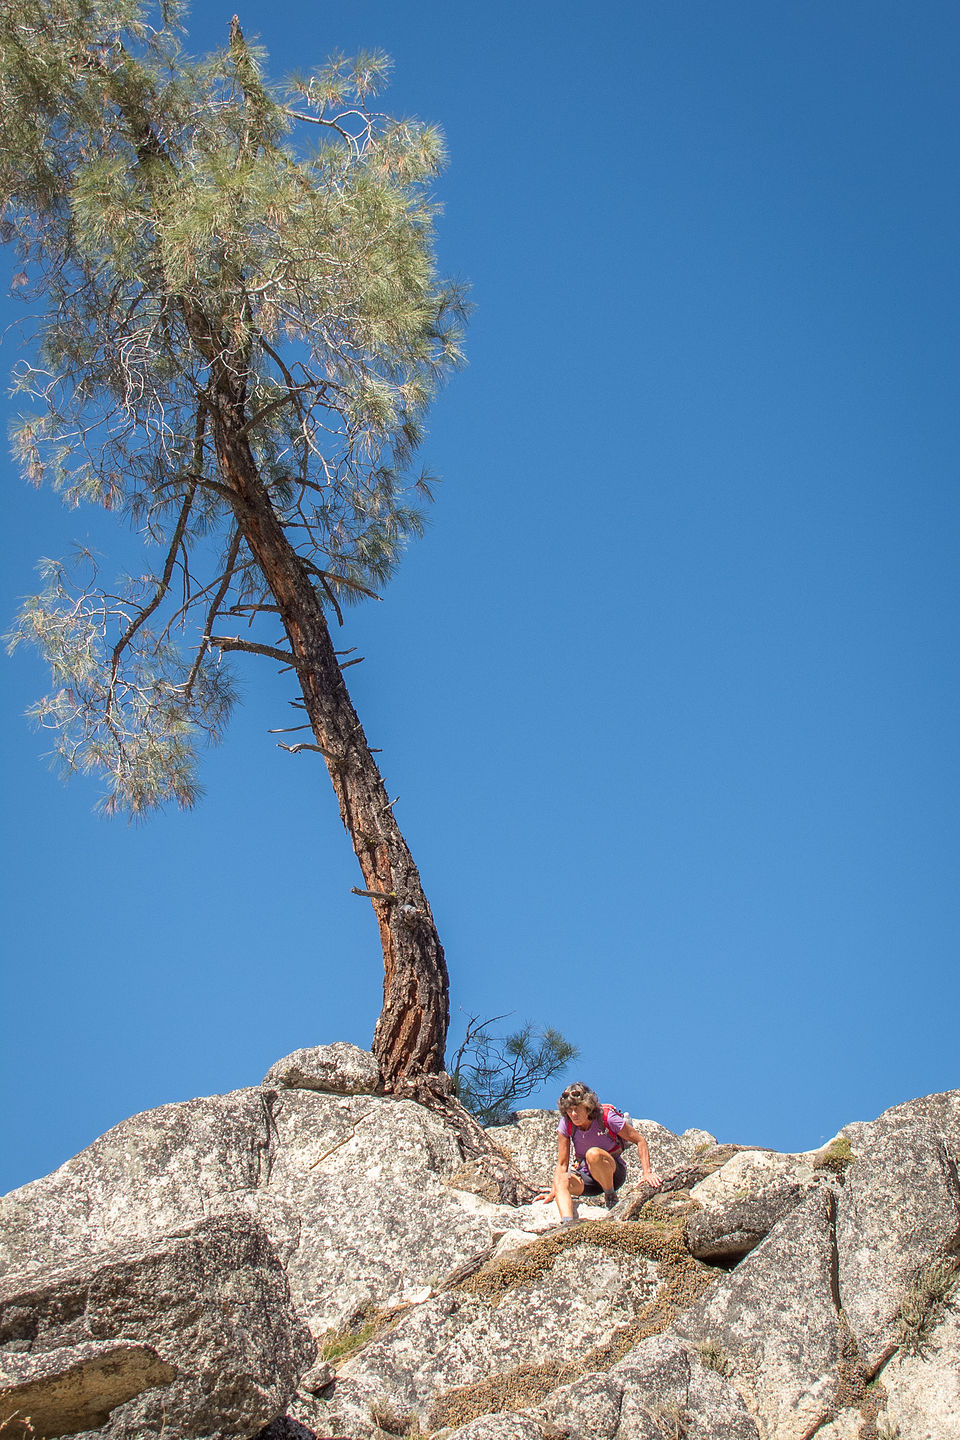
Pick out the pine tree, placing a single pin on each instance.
(242, 329)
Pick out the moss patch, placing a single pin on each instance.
(837, 1156)
(682, 1281)
(362, 1327)
(652, 1240)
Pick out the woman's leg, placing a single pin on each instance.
(569, 1187)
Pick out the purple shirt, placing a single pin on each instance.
(594, 1135)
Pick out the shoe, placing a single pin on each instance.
(610, 1198)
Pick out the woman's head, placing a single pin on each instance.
(579, 1094)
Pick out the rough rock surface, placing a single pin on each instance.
(350, 1189)
(337, 1069)
(899, 1208)
(923, 1390)
(661, 1390)
(194, 1333)
(447, 1342)
(74, 1387)
(742, 1201)
(391, 1263)
(775, 1324)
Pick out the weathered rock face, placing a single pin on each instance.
(742, 1201)
(441, 1308)
(150, 1174)
(569, 1303)
(661, 1390)
(923, 1388)
(351, 1190)
(195, 1334)
(774, 1321)
(75, 1387)
(899, 1209)
(337, 1069)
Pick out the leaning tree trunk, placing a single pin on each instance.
(410, 1037)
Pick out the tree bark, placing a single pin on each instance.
(410, 1037)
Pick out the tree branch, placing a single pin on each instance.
(162, 587)
(233, 642)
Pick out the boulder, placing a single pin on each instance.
(899, 1210)
(773, 1323)
(742, 1201)
(665, 1382)
(380, 1222)
(192, 1335)
(337, 1069)
(150, 1174)
(695, 1142)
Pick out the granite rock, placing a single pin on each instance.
(660, 1390)
(923, 1389)
(354, 1203)
(193, 1333)
(455, 1339)
(337, 1069)
(353, 1191)
(74, 1387)
(742, 1201)
(899, 1209)
(774, 1323)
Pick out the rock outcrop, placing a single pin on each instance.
(337, 1069)
(739, 1204)
(193, 1335)
(759, 1297)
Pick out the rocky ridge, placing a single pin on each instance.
(308, 1257)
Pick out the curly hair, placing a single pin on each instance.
(579, 1094)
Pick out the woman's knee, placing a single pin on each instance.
(595, 1153)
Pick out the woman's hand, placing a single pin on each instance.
(547, 1196)
(650, 1177)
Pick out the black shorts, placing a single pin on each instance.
(590, 1186)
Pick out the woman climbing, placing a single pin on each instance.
(599, 1133)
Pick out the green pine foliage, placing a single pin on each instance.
(492, 1073)
(177, 221)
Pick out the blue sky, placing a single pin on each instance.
(669, 692)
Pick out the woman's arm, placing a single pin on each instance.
(627, 1132)
(563, 1160)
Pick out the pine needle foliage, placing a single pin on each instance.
(492, 1073)
(189, 231)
